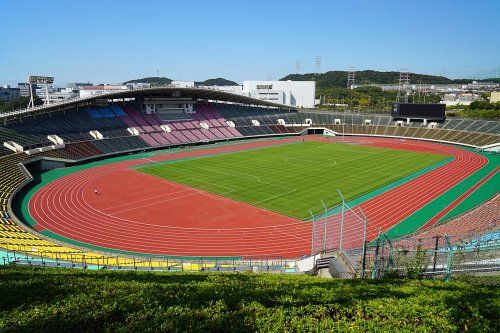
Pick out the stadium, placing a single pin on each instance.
(170, 178)
(265, 166)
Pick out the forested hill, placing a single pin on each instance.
(217, 82)
(162, 81)
(154, 80)
(339, 78)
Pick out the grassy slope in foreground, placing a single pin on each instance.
(64, 300)
(293, 178)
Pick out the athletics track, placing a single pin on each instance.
(138, 213)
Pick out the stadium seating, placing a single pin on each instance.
(75, 151)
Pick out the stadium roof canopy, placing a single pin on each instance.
(167, 92)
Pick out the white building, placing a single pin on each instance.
(229, 89)
(138, 85)
(293, 93)
(495, 97)
(99, 90)
(54, 94)
(182, 84)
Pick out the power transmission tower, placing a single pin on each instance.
(351, 77)
(404, 83)
(297, 67)
(318, 64)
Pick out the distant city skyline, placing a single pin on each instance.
(115, 41)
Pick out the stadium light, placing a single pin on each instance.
(37, 79)
(40, 79)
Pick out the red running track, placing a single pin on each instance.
(140, 213)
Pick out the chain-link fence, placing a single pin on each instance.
(440, 256)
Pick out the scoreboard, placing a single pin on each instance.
(419, 111)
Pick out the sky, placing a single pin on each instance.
(111, 41)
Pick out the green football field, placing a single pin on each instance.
(292, 179)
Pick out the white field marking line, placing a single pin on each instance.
(146, 199)
(163, 180)
(204, 181)
(241, 173)
(148, 159)
(155, 203)
(287, 234)
(219, 196)
(363, 153)
(363, 170)
(226, 150)
(309, 159)
(274, 197)
(229, 174)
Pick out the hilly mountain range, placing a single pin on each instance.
(339, 78)
(331, 79)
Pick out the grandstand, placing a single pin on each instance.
(91, 132)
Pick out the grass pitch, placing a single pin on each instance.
(292, 179)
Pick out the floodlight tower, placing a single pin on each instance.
(404, 83)
(351, 77)
(34, 79)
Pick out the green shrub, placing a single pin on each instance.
(63, 300)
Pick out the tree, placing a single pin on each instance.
(18, 103)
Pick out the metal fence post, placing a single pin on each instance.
(324, 226)
(390, 261)
(434, 260)
(363, 261)
(375, 260)
(313, 230)
(449, 261)
(365, 226)
(341, 220)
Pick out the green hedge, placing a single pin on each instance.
(61, 300)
